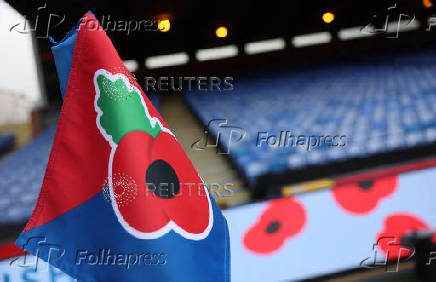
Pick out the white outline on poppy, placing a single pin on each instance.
(171, 225)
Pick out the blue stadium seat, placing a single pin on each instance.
(6, 142)
(154, 99)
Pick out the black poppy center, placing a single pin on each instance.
(365, 185)
(273, 227)
(162, 179)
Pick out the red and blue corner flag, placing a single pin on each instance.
(120, 198)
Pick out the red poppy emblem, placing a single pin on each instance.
(153, 186)
(363, 196)
(172, 194)
(394, 228)
(282, 220)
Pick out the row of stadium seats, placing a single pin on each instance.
(382, 106)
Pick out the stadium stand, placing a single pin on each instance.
(386, 105)
(22, 173)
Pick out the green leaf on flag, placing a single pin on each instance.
(123, 111)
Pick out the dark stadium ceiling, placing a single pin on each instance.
(193, 22)
(193, 25)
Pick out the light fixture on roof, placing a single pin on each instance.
(217, 53)
(131, 65)
(427, 3)
(166, 60)
(164, 25)
(355, 32)
(328, 17)
(221, 32)
(311, 39)
(264, 46)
